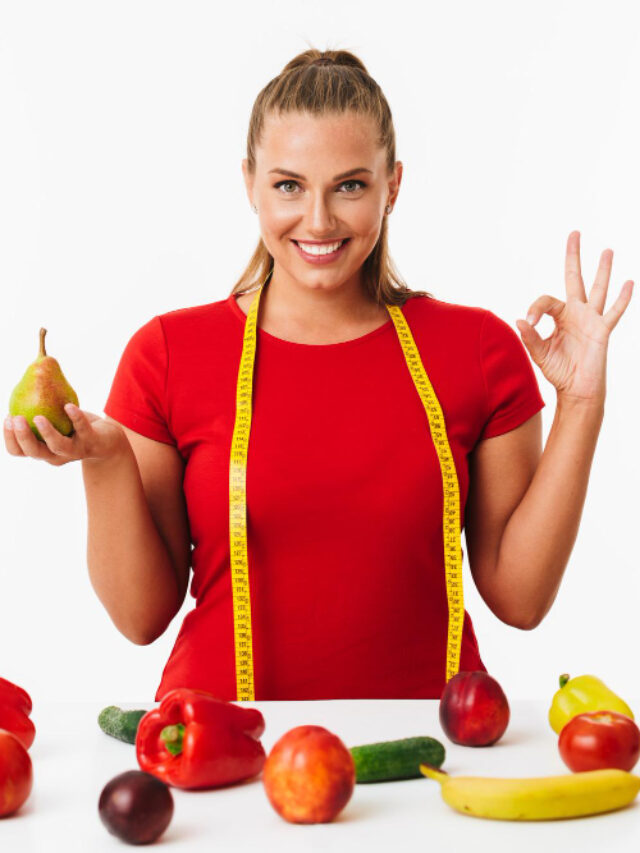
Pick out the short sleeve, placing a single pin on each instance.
(511, 387)
(137, 398)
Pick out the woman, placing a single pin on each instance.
(345, 503)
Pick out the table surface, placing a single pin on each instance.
(73, 760)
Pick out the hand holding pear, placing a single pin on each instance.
(44, 390)
(46, 423)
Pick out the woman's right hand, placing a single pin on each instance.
(93, 438)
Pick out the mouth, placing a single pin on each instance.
(320, 254)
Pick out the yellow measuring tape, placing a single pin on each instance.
(238, 499)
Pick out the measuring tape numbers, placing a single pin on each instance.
(243, 637)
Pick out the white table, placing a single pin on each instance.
(73, 760)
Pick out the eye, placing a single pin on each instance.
(281, 183)
(361, 185)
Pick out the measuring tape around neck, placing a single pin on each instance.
(238, 499)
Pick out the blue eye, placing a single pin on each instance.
(282, 183)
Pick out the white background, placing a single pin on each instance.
(121, 197)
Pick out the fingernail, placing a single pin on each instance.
(530, 319)
(8, 423)
(70, 409)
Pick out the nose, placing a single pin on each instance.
(321, 220)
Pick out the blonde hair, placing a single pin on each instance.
(321, 82)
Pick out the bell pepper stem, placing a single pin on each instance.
(563, 679)
(172, 736)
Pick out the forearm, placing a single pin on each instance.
(538, 539)
(129, 564)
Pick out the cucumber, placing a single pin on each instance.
(120, 724)
(396, 759)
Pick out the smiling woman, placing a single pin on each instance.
(323, 111)
(347, 430)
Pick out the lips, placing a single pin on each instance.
(323, 243)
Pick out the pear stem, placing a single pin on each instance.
(42, 352)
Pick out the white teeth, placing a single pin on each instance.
(320, 250)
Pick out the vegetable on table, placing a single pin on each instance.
(16, 773)
(195, 740)
(120, 724)
(580, 694)
(15, 708)
(396, 759)
(600, 739)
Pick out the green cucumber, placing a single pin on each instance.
(396, 759)
(120, 724)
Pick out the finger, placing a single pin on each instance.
(598, 292)
(572, 271)
(81, 421)
(532, 340)
(57, 443)
(619, 306)
(545, 305)
(10, 439)
(27, 440)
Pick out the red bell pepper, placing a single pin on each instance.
(15, 707)
(195, 740)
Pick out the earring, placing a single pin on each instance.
(388, 208)
(254, 208)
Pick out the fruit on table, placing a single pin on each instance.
(580, 694)
(15, 708)
(473, 709)
(309, 775)
(598, 739)
(120, 724)
(541, 798)
(136, 807)
(43, 390)
(16, 773)
(396, 759)
(195, 740)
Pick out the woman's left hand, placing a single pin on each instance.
(574, 357)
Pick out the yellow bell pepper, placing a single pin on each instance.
(580, 694)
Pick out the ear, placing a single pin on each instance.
(248, 179)
(394, 182)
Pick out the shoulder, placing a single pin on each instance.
(448, 318)
(183, 318)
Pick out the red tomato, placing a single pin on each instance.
(16, 773)
(596, 740)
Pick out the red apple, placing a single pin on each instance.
(309, 775)
(473, 709)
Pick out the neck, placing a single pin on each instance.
(287, 303)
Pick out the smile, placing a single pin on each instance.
(321, 253)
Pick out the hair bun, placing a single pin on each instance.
(325, 57)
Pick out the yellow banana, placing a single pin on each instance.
(539, 798)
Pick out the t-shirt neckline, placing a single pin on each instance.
(239, 313)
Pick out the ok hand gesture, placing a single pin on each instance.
(573, 358)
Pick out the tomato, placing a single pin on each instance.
(599, 739)
(16, 773)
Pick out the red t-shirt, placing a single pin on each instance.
(344, 491)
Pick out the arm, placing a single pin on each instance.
(139, 544)
(524, 509)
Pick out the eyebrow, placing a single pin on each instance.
(335, 178)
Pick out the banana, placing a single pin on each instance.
(541, 798)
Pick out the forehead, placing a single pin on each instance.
(291, 139)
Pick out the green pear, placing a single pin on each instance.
(43, 390)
